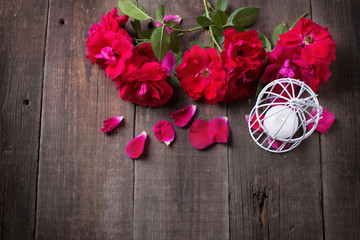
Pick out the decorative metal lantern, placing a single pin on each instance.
(286, 112)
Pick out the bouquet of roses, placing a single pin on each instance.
(146, 65)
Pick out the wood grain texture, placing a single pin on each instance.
(85, 181)
(21, 74)
(180, 192)
(340, 146)
(273, 196)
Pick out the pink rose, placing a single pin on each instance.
(287, 62)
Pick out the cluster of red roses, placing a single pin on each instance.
(139, 77)
(305, 53)
(203, 75)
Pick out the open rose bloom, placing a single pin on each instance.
(202, 75)
(139, 77)
(304, 53)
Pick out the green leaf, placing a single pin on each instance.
(174, 42)
(220, 18)
(280, 29)
(265, 42)
(133, 9)
(259, 88)
(244, 16)
(197, 43)
(178, 56)
(173, 81)
(160, 13)
(218, 32)
(237, 28)
(146, 34)
(221, 5)
(136, 26)
(160, 41)
(173, 24)
(178, 59)
(220, 39)
(203, 21)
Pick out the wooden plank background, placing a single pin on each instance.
(62, 178)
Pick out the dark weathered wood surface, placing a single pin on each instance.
(62, 178)
(22, 36)
(340, 151)
(273, 196)
(85, 186)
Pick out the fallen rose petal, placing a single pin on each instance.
(219, 130)
(277, 144)
(168, 63)
(135, 147)
(199, 134)
(164, 132)
(111, 123)
(324, 123)
(183, 116)
(255, 124)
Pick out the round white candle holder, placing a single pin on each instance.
(286, 125)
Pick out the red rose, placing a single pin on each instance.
(201, 75)
(103, 35)
(317, 43)
(241, 84)
(287, 62)
(145, 86)
(242, 49)
(113, 22)
(109, 50)
(146, 53)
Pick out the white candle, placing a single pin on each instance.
(279, 124)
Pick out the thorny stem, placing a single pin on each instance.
(180, 30)
(209, 4)
(303, 15)
(213, 40)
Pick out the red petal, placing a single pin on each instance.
(219, 130)
(164, 131)
(199, 134)
(111, 123)
(183, 116)
(324, 123)
(277, 144)
(255, 124)
(136, 146)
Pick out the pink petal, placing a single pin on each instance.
(175, 18)
(219, 130)
(183, 116)
(111, 123)
(199, 134)
(168, 63)
(164, 131)
(277, 144)
(324, 123)
(136, 145)
(256, 125)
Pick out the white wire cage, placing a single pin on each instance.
(286, 112)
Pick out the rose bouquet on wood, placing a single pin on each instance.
(146, 65)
